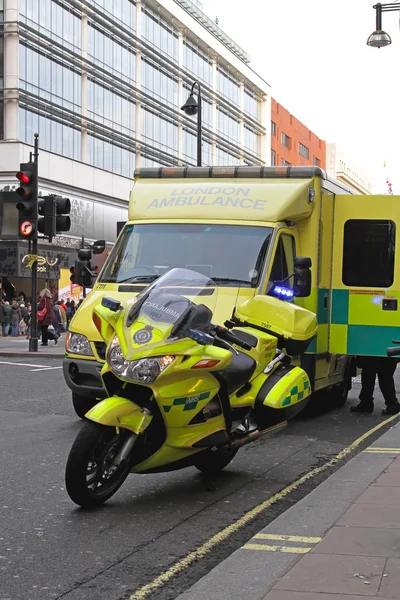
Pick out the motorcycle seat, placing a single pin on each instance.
(239, 371)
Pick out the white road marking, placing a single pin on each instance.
(37, 367)
(45, 369)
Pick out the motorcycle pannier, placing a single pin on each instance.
(293, 325)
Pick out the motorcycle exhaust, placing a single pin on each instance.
(254, 435)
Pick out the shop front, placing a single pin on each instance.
(54, 265)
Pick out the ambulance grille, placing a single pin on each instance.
(229, 172)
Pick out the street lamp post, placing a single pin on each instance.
(379, 38)
(191, 108)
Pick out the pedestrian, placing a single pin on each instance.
(63, 316)
(15, 318)
(7, 318)
(24, 315)
(68, 311)
(46, 317)
(384, 368)
(57, 319)
(28, 320)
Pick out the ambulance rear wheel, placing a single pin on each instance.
(340, 392)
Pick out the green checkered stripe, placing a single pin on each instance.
(188, 402)
(297, 393)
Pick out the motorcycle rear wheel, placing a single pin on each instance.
(213, 461)
(91, 478)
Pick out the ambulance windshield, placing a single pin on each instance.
(231, 255)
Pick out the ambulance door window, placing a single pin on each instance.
(369, 253)
(283, 264)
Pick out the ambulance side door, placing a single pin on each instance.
(364, 313)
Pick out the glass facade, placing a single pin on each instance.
(91, 97)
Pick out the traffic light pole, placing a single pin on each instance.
(33, 340)
(82, 246)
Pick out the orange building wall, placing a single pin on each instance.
(292, 127)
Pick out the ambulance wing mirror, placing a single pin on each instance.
(302, 276)
(99, 246)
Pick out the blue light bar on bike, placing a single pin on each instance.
(283, 293)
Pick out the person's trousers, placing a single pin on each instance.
(5, 328)
(384, 368)
(14, 328)
(46, 334)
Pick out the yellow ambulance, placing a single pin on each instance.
(243, 227)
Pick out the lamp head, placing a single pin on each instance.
(190, 107)
(379, 39)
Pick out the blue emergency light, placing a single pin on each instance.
(283, 293)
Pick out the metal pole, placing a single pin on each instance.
(82, 246)
(199, 126)
(379, 17)
(33, 340)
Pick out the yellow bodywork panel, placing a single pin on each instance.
(120, 412)
(294, 387)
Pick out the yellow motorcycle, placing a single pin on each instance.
(182, 390)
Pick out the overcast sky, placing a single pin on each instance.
(314, 55)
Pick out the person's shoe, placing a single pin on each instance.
(362, 407)
(44, 344)
(56, 340)
(391, 409)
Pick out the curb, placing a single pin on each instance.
(27, 354)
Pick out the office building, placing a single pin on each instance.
(102, 82)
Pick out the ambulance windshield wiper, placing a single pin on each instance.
(230, 280)
(140, 279)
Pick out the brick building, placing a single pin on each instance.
(291, 142)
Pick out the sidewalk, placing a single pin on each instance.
(19, 347)
(341, 542)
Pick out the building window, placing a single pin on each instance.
(304, 151)
(285, 163)
(273, 128)
(285, 140)
(198, 63)
(368, 253)
(228, 87)
(251, 104)
(316, 162)
(273, 158)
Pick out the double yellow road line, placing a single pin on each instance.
(200, 552)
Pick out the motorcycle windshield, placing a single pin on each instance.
(180, 300)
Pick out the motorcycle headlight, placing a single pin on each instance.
(78, 344)
(144, 370)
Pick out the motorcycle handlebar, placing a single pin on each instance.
(394, 351)
(226, 335)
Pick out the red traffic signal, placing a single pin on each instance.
(24, 177)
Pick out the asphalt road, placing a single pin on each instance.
(49, 549)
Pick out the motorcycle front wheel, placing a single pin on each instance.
(91, 476)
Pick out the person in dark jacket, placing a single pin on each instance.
(16, 317)
(2, 316)
(46, 301)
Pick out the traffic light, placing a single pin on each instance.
(28, 204)
(54, 211)
(84, 273)
(73, 274)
